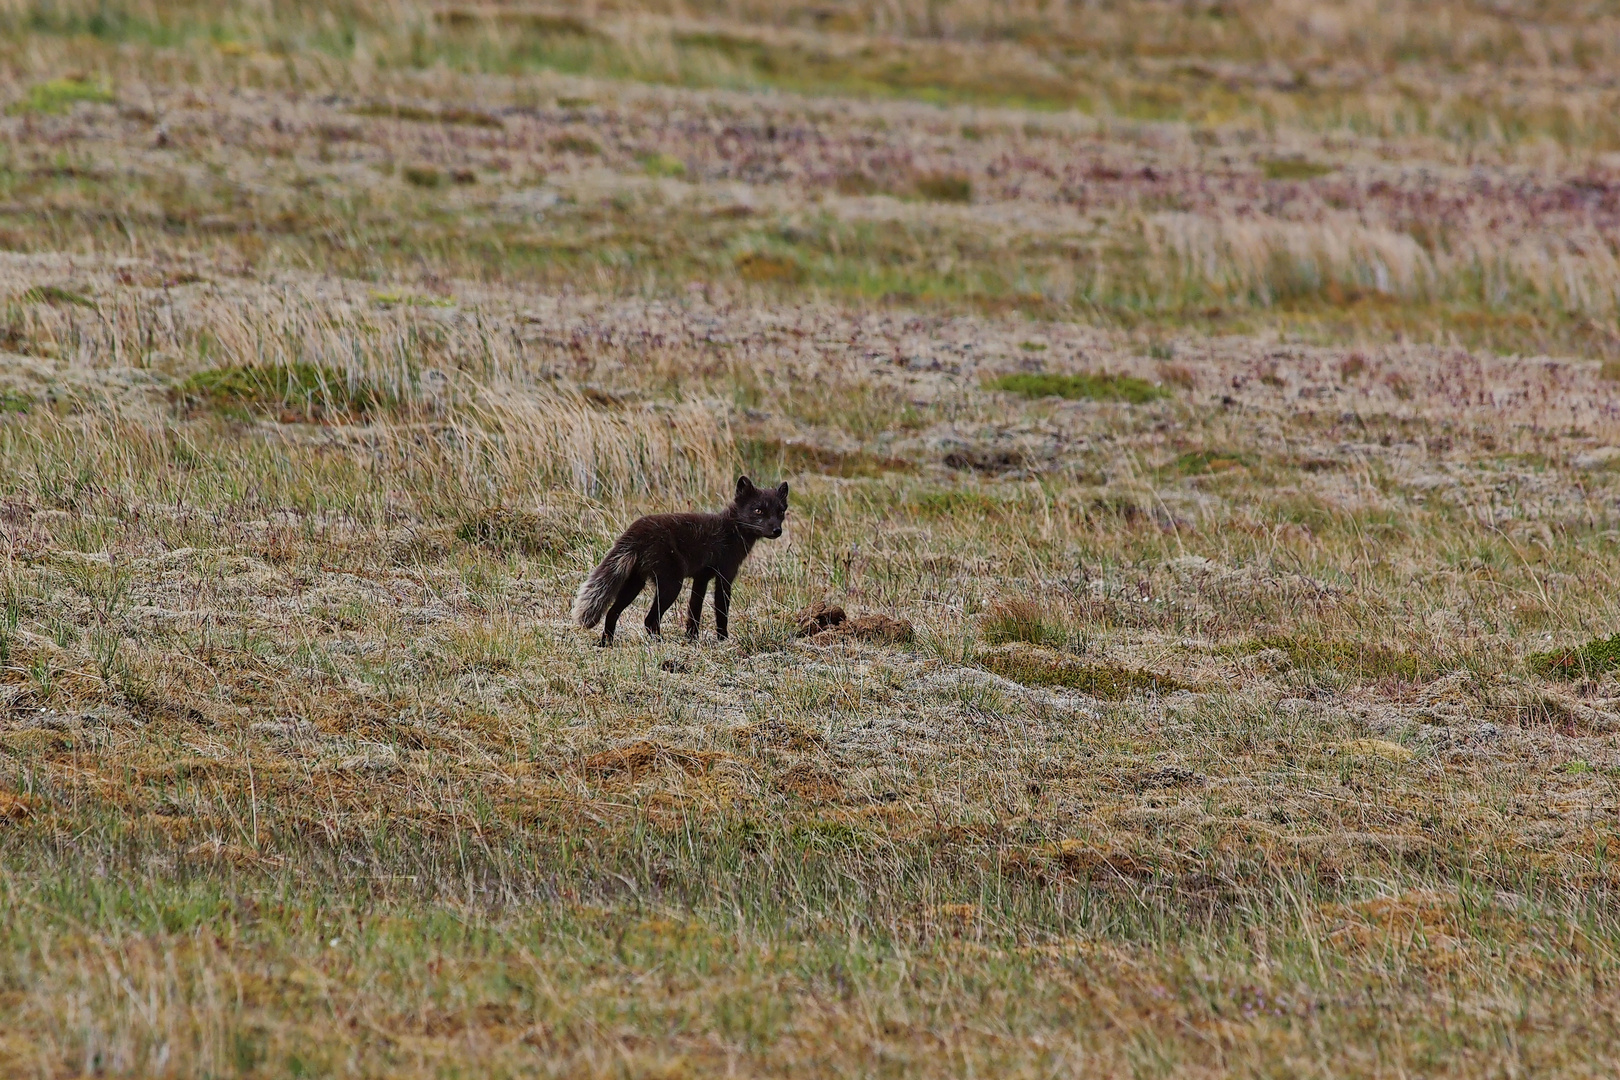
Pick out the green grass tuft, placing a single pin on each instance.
(55, 294)
(1024, 620)
(59, 95)
(1085, 386)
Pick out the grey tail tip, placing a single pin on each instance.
(597, 593)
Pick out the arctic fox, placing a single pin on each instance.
(669, 548)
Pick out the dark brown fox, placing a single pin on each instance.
(669, 548)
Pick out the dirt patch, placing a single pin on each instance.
(824, 624)
(1428, 926)
(639, 757)
(218, 851)
(818, 617)
(1070, 859)
(16, 807)
(787, 456)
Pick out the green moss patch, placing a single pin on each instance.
(13, 402)
(1364, 659)
(423, 176)
(1086, 386)
(1043, 667)
(1580, 662)
(1293, 169)
(963, 502)
(573, 144)
(663, 165)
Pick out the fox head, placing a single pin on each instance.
(760, 510)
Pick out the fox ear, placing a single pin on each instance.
(744, 486)
(781, 489)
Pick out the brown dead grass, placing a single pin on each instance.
(637, 758)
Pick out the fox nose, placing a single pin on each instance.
(776, 532)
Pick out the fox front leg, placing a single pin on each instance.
(722, 607)
(694, 610)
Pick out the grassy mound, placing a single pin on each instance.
(300, 391)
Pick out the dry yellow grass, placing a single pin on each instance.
(1264, 726)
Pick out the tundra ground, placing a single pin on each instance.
(1215, 402)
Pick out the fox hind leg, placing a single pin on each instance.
(627, 595)
(669, 588)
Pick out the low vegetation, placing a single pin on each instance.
(1100, 386)
(1592, 660)
(59, 95)
(1256, 715)
(1106, 682)
(298, 390)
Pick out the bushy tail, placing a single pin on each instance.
(596, 595)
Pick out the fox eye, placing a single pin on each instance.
(758, 512)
